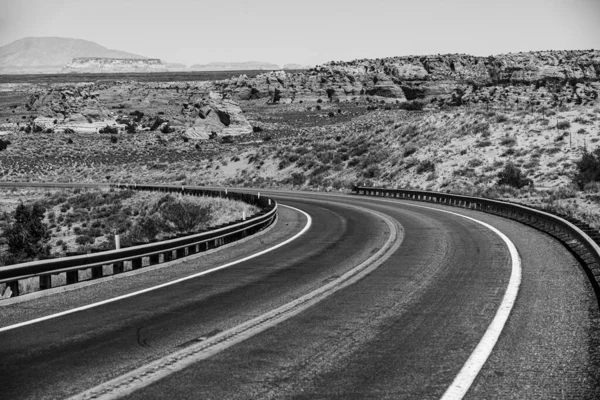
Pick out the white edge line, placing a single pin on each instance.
(465, 378)
(162, 285)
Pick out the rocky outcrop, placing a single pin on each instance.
(216, 117)
(434, 78)
(113, 65)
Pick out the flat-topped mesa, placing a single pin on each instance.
(110, 65)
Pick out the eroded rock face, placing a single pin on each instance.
(429, 78)
(218, 116)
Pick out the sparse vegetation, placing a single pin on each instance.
(511, 175)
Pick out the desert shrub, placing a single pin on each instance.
(474, 162)
(4, 144)
(500, 118)
(582, 131)
(183, 215)
(408, 151)
(412, 105)
(508, 141)
(587, 169)
(27, 236)
(483, 143)
(227, 139)
(372, 171)
(109, 129)
(511, 175)
(130, 128)
(137, 115)
(114, 138)
(257, 129)
(298, 179)
(425, 166)
(563, 125)
(331, 114)
(84, 239)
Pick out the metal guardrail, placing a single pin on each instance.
(576, 236)
(152, 253)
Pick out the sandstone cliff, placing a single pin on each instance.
(533, 77)
(112, 65)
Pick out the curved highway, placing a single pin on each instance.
(404, 330)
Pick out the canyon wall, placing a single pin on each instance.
(445, 79)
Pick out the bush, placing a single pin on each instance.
(109, 129)
(84, 239)
(563, 125)
(256, 129)
(588, 169)
(182, 215)
(412, 105)
(500, 118)
(4, 144)
(425, 166)
(114, 139)
(511, 175)
(28, 236)
(408, 151)
(298, 179)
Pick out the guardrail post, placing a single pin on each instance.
(72, 277)
(96, 272)
(136, 263)
(118, 267)
(45, 282)
(14, 288)
(154, 259)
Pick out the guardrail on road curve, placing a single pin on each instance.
(142, 255)
(580, 238)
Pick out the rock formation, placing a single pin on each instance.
(452, 78)
(216, 117)
(112, 65)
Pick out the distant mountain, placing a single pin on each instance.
(235, 66)
(50, 54)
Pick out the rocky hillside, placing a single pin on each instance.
(50, 54)
(534, 78)
(113, 65)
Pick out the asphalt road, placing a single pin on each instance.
(403, 331)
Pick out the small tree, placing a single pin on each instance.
(184, 216)
(588, 169)
(28, 236)
(511, 175)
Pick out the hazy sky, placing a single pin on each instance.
(307, 31)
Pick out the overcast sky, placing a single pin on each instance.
(307, 31)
